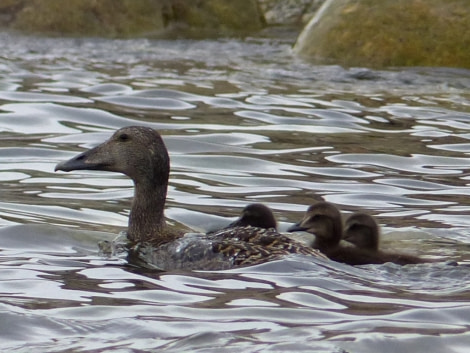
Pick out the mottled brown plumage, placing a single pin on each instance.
(140, 153)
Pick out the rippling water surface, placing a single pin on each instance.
(244, 122)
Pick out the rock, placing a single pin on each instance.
(110, 18)
(198, 18)
(288, 12)
(132, 18)
(8, 8)
(388, 33)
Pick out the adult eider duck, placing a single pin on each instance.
(363, 231)
(255, 215)
(139, 153)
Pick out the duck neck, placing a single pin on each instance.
(322, 244)
(328, 235)
(146, 219)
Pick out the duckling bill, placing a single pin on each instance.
(140, 153)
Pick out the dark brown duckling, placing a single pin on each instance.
(322, 219)
(139, 153)
(255, 215)
(363, 231)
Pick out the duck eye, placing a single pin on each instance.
(123, 137)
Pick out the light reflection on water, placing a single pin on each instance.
(255, 125)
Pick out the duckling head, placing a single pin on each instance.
(256, 215)
(362, 230)
(322, 219)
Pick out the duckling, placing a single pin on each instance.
(140, 153)
(255, 215)
(322, 219)
(363, 231)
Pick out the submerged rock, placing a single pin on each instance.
(388, 33)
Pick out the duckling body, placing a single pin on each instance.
(139, 153)
(363, 231)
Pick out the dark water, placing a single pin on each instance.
(244, 122)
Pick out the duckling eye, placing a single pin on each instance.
(123, 137)
(354, 226)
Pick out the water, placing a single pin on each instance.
(244, 122)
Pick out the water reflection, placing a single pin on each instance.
(250, 124)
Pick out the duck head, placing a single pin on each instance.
(136, 151)
(362, 230)
(256, 215)
(139, 153)
(322, 219)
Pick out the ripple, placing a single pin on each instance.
(146, 103)
(457, 147)
(108, 89)
(249, 124)
(41, 97)
(48, 118)
(416, 163)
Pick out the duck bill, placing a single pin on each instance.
(236, 223)
(346, 234)
(84, 161)
(296, 228)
